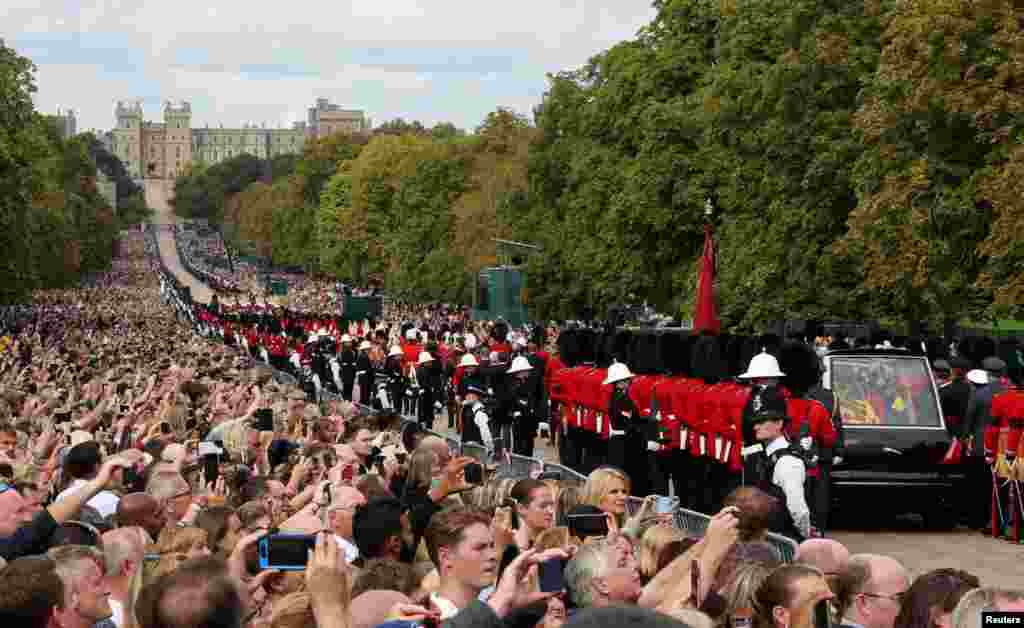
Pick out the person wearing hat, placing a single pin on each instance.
(425, 405)
(763, 372)
(778, 468)
(364, 373)
(996, 369)
(394, 378)
(627, 438)
(520, 408)
(954, 392)
(347, 367)
(476, 424)
(977, 419)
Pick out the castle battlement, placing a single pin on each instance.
(127, 108)
(178, 107)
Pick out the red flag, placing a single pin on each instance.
(706, 317)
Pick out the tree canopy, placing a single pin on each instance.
(862, 159)
(54, 225)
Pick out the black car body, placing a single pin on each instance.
(895, 435)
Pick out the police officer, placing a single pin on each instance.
(475, 422)
(521, 408)
(779, 466)
(347, 367)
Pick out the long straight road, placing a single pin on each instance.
(158, 197)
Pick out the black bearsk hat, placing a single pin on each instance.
(800, 364)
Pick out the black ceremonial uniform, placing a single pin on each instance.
(628, 450)
(364, 373)
(347, 364)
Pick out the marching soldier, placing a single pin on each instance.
(521, 408)
(627, 437)
(347, 367)
(425, 413)
(395, 378)
(364, 372)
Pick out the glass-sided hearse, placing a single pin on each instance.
(896, 438)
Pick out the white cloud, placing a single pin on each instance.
(166, 42)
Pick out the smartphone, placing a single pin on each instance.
(582, 526)
(285, 552)
(132, 479)
(474, 473)
(263, 420)
(551, 575)
(664, 505)
(211, 468)
(822, 618)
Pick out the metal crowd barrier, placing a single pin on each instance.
(785, 546)
(525, 466)
(477, 451)
(691, 522)
(566, 476)
(695, 524)
(284, 378)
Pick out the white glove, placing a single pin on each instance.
(653, 446)
(806, 442)
(837, 460)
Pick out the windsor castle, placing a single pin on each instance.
(163, 150)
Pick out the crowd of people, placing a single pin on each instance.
(147, 469)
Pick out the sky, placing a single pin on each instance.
(266, 62)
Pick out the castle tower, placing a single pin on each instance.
(177, 148)
(127, 140)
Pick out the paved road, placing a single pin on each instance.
(996, 563)
(157, 197)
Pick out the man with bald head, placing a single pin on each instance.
(869, 591)
(339, 518)
(141, 510)
(827, 555)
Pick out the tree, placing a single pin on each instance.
(446, 131)
(23, 146)
(940, 121)
(398, 126)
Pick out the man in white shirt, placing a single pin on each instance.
(82, 463)
(461, 545)
(339, 517)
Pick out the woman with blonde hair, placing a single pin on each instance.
(607, 488)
